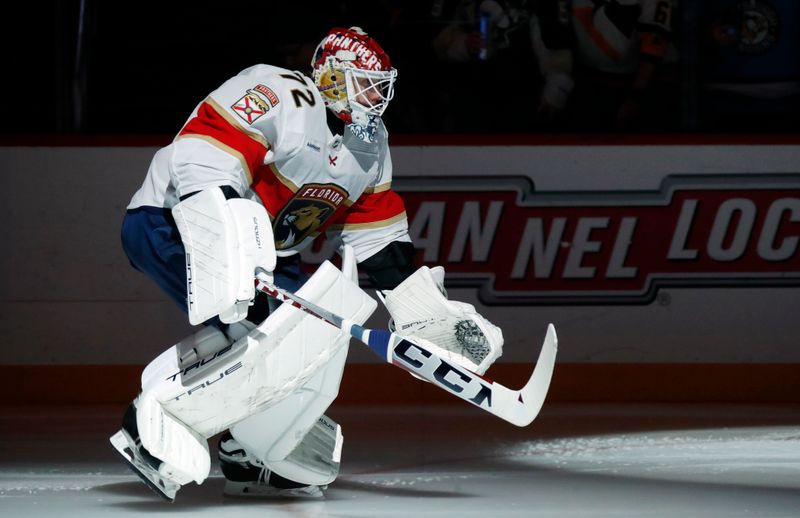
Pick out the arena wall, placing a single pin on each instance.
(670, 267)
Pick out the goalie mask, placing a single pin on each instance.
(354, 75)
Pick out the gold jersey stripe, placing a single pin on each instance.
(374, 224)
(378, 188)
(285, 181)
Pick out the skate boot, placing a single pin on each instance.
(247, 476)
(151, 470)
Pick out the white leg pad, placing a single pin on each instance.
(258, 371)
(186, 357)
(316, 459)
(293, 437)
(272, 434)
(184, 452)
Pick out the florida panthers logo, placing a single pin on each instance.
(308, 210)
(299, 223)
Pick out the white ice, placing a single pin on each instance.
(454, 461)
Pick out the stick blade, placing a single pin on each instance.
(524, 405)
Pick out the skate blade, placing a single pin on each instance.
(254, 490)
(148, 475)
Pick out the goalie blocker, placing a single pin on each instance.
(225, 240)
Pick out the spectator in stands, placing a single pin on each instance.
(601, 61)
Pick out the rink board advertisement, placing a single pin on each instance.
(667, 253)
(516, 246)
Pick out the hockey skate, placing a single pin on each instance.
(127, 444)
(246, 476)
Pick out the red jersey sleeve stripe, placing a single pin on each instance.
(212, 123)
(273, 188)
(371, 208)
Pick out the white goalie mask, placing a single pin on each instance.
(354, 75)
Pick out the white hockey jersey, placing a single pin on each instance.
(264, 133)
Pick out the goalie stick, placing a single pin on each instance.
(518, 407)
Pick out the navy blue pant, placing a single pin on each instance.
(153, 245)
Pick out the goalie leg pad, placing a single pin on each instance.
(127, 444)
(270, 363)
(316, 459)
(293, 438)
(309, 467)
(184, 452)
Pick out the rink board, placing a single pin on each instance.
(382, 384)
(651, 257)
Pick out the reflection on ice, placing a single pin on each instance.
(756, 456)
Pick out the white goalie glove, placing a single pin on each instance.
(225, 240)
(419, 309)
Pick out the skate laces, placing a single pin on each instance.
(263, 473)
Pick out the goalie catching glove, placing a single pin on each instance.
(420, 310)
(225, 240)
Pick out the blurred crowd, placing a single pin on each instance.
(599, 65)
(465, 66)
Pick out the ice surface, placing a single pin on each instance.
(767, 457)
(454, 461)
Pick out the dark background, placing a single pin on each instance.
(97, 67)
